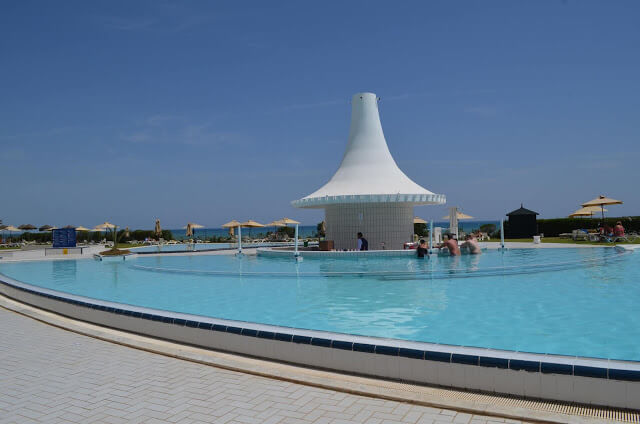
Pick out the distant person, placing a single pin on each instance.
(422, 249)
(363, 244)
(608, 231)
(618, 230)
(472, 244)
(451, 244)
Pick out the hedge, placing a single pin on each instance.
(556, 226)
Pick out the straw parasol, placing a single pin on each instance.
(45, 228)
(601, 201)
(251, 224)
(27, 227)
(10, 228)
(231, 225)
(109, 226)
(586, 211)
(106, 226)
(418, 220)
(81, 228)
(190, 227)
(287, 221)
(459, 216)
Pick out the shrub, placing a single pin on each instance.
(556, 226)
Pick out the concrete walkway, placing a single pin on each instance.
(53, 376)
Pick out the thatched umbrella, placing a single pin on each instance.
(27, 227)
(45, 228)
(109, 226)
(601, 201)
(231, 225)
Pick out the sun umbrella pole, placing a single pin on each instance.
(502, 233)
(239, 239)
(296, 243)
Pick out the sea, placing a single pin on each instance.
(308, 231)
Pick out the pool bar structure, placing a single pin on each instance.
(368, 193)
(565, 378)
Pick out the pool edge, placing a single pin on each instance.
(571, 379)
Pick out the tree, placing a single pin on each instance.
(488, 228)
(420, 230)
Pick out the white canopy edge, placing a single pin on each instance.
(416, 199)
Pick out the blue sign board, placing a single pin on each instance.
(64, 237)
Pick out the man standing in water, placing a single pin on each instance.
(452, 244)
(422, 249)
(472, 244)
(363, 244)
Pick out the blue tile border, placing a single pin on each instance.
(416, 354)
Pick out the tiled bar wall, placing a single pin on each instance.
(384, 225)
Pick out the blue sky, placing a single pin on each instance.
(209, 111)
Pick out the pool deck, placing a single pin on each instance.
(50, 375)
(55, 369)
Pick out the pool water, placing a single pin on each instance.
(580, 302)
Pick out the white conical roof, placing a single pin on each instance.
(368, 173)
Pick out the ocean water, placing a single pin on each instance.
(306, 231)
(562, 301)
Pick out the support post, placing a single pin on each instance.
(240, 239)
(430, 236)
(502, 233)
(296, 254)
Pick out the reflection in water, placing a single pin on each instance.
(64, 269)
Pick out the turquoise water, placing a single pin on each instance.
(565, 301)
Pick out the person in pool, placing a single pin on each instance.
(451, 244)
(472, 244)
(422, 249)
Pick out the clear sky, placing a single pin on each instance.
(208, 111)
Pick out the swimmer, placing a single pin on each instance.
(450, 243)
(472, 244)
(422, 249)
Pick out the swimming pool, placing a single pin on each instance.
(186, 247)
(578, 302)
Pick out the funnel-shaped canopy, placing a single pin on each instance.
(368, 173)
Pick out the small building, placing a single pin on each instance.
(369, 193)
(522, 223)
